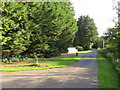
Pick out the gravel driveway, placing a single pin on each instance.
(82, 74)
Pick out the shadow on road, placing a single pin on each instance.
(74, 81)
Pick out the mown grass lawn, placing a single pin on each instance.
(107, 76)
(45, 64)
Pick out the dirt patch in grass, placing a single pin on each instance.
(18, 62)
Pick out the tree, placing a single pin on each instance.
(87, 32)
(15, 33)
(112, 40)
(37, 29)
(101, 42)
(53, 28)
(96, 43)
(112, 45)
(68, 27)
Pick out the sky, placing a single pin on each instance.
(100, 10)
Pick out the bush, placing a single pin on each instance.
(6, 60)
(15, 59)
(112, 57)
(79, 48)
(103, 53)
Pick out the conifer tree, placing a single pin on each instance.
(37, 29)
(15, 33)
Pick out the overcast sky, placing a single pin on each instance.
(100, 10)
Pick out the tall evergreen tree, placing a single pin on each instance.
(15, 33)
(87, 32)
(53, 28)
(37, 28)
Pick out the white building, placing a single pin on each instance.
(72, 50)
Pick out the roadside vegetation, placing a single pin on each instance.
(47, 63)
(107, 75)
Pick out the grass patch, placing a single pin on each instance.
(80, 52)
(107, 76)
(46, 64)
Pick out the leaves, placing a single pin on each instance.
(14, 39)
(44, 28)
(87, 32)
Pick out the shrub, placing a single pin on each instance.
(112, 57)
(6, 60)
(79, 48)
(15, 59)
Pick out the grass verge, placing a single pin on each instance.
(107, 76)
(49, 63)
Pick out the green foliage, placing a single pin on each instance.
(79, 48)
(14, 59)
(100, 42)
(43, 28)
(14, 32)
(96, 43)
(87, 32)
(112, 39)
(112, 57)
(111, 44)
(5, 60)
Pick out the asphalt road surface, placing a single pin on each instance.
(82, 74)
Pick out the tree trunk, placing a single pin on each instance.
(36, 58)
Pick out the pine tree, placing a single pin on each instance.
(15, 34)
(37, 29)
(52, 26)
